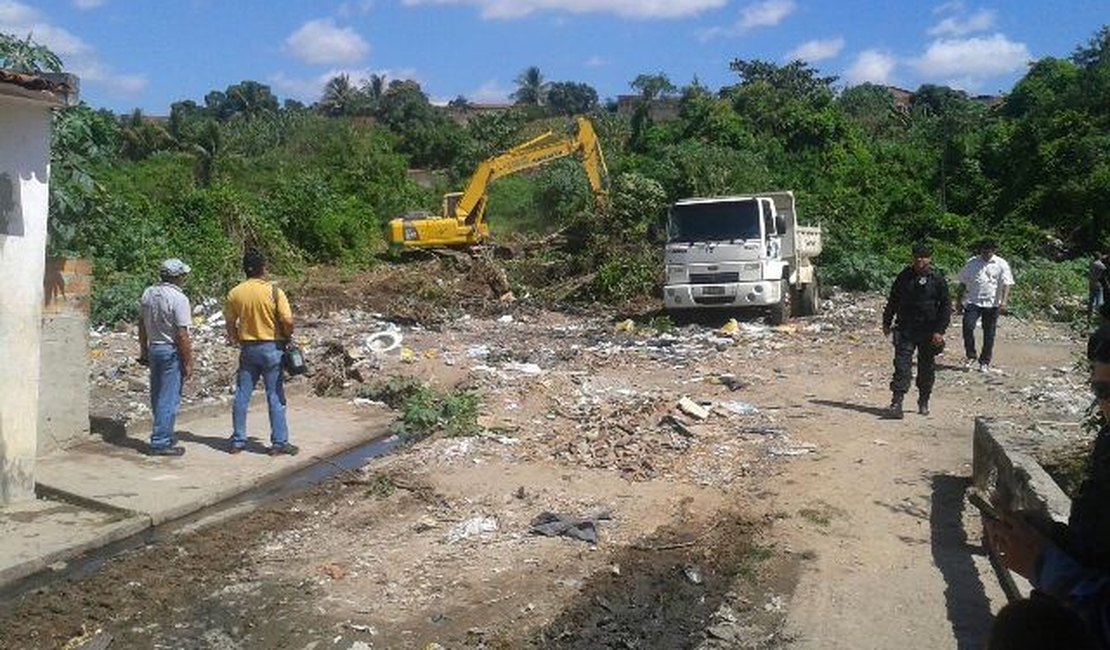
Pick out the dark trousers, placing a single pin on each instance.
(989, 316)
(904, 345)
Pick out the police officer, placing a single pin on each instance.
(917, 312)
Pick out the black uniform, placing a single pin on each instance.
(917, 308)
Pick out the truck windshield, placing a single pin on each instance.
(723, 221)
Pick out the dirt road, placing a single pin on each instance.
(791, 516)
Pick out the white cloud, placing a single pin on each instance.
(322, 42)
(871, 66)
(980, 21)
(596, 61)
(816, 50)
(88, 4)
(968, 61)
(78, 57)
(490, 92)
(507, 9)
(763, 14)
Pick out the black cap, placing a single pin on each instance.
(988, 245)
(921, 249)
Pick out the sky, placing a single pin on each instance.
(147, 54)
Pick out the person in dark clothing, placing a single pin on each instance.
(1072, 566)
(917, 312)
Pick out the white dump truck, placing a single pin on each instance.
(741, 252)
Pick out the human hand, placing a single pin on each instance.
(886, 330)
(143, 360)
(959, 308)
(938, 339)
(1017, 544)
(1004, 310)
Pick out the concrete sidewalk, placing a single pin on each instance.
(106, 490)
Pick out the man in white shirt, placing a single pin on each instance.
(982, 294)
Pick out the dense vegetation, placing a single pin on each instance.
(315, 184)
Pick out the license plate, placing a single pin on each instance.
(713, 291)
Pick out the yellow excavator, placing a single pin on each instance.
(463, 221)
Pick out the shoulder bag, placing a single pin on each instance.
(292, 356)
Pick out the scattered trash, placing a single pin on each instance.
(333, 571)
(693, 409)
(731, 328)
(407, 355)
(89, 640)
(477, 351)
(523, 368)
(739, 408)
(584, 529)
(507, 318)
(763, 431)
(470, 528)
(627, 325)
(677, 425)
(692, 573)
(732, 383)
(383, 341)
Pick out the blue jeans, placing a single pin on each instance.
(165, 393)
(989, 316)
(256, 360)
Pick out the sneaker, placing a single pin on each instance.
(894, 411)
(284, 450)
(232, 449)
(969, 364)
(167, 451)
(984, 367)
(923, 408)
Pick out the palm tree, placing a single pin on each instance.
(531, 89)
(339, 95)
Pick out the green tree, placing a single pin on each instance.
(340, 96)
(653, 86)
(571, 98)
(531, 89)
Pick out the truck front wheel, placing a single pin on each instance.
(780, 312)
(810, 299)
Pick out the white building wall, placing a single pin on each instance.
(24, 168)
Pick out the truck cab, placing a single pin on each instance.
(741, 252)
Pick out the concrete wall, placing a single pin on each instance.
(24, 168)
(1018, 481)
(64, 359)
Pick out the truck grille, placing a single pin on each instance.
(714, 278)
(715, 300)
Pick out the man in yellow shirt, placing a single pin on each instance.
(260, 321)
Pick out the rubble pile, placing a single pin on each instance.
(633, 397)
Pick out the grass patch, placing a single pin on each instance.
(425, 410)
(815, 516)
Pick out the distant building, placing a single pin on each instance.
(462, 113)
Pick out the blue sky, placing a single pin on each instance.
(148, 54)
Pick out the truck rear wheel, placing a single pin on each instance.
(780, 312)
(810, 299)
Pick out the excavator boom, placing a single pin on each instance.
(463, 219)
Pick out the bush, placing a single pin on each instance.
(1053, 290)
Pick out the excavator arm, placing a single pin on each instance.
(463, 220)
